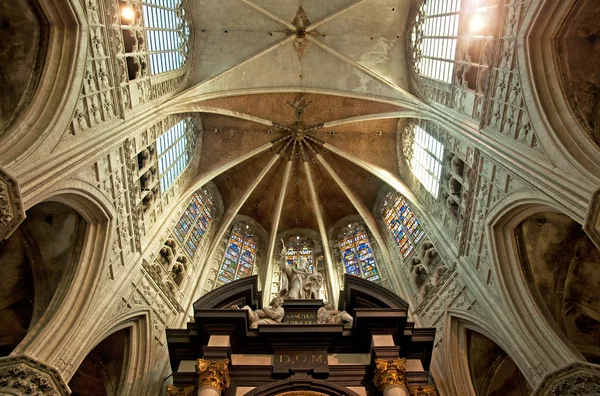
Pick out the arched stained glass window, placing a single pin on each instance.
(298, 248)
(426, 161)
(195, 221)
(174, 152)
(434, 39)
(402, 223)
(357, 254)
(240, 254)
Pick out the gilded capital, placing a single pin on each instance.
(213, 373)
(180, 390)
(428, 390)
(389, 372)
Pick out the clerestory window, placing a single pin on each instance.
(426, 161)
(402, 223)
(174, 152)
(195, 221)
(240, 254)
(357, 254)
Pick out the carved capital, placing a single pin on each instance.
(389, 372)
(11, 207)
(215, 374)
(181, 391)
(580, 378)
(428, 390)
(22, 375)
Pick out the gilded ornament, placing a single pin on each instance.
(213, 373)
(428, 390)
(389, 372)
(180, 390)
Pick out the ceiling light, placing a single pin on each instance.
(127, 13)
(477, 24)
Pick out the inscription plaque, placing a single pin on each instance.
(283, 361)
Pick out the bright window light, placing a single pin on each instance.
(426, 160)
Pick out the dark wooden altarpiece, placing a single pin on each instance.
(300, 346)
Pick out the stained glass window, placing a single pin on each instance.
(195, 221)
(357, 254)
(435, 39)
(300, 248)
(402, 223)
(174, 152)
(426, 162)
(239, 255)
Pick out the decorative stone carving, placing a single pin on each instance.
(298, 283)
(592, 220)
(580, 378)
(389, 372)
(215, 374)
(22, 375)
(271, 315)
(428, 390)
(328, 314)
(11, 207)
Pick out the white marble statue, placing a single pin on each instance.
(298, 283)
(271, 315)
(329, 315)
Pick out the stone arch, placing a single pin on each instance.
(138, 344)
(459, 375)
(551, 103)
(53, 96)
(63, 315)
(548, 347)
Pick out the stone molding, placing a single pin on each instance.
(389, 372)
(592, 219)
(579, 378)
(22, 375)
(11, 206)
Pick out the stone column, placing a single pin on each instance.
(390, 377)
(213, 377)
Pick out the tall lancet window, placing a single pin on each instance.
(434, 39)
(195, 221)
(174, 152)
(426, 161)
(240, 254)
(402, 223)
(167, 33)
(297, 248)
(357, 254)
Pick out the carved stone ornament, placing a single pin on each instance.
(181, 391)
(215, 374)
(580, 378)
(22, 375)
(592, 220)
(389, 372)
(428, 390)
(11, 207)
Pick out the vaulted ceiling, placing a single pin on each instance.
(299, 74)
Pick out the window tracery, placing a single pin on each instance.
(195, 221)
(357, 254)
(174, 152)
(240, 254)
(300, 248)
(427, 154)
(402, 223)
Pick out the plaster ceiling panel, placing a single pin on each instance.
(372, 35)
(234, 183)
(362, 140)
(335, 205)
(262, 202)
(281, 68)
(365, 186)
(322, 108)
(297, 208)
(227, 33)
(226, 138)
(315, 9)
